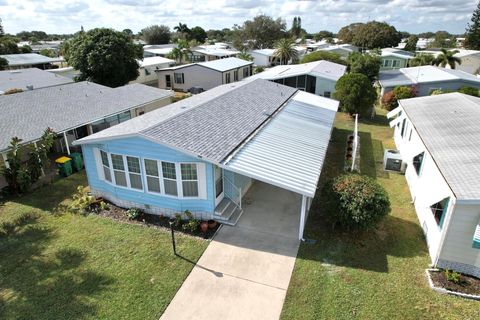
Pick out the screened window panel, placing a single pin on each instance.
(133, 164)
(107, 174)
(190, 188)
(189, 171)
(153, 184)
(135, 181)
(301, 81)
(151, 168)
(117, 162)
(170, 187)
(120, 178)
(104, 158)
(168, 169)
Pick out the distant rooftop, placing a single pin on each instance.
(321, 68)
(448, 126)
(152, 61)
(213, 50)
(26, 115)
(29, 79)
(220, 65)
(423, 74)
(28, 59)
(394, 52)
(265, 52)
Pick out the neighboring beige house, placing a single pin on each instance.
(204, 75)
(147, 69)
(470, 60)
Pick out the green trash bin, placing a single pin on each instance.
(77, 161)
(64, 165)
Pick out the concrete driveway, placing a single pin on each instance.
(244, 273)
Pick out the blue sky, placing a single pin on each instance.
(66, 16)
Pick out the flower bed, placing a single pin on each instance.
(454, 283)
(158, 221)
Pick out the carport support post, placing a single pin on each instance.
(66, 142)
(302, 217)
(5, 160)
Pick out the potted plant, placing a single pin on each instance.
(204, 226)
(212, 223)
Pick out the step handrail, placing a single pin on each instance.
(236, 190)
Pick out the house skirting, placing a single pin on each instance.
(200, 215)
(459, 267)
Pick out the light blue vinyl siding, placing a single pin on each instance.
(240, 181)
(145, 149)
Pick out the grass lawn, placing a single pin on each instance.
(84, 267)
(375, 275)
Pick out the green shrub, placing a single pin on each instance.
(133, 213)
(192, 224)
(356, 201)
(452, 276)
(403, 92)
(389, 101)
(469, 90)
(82, 202)
(324, 55)
(355, 93)
(177, 220)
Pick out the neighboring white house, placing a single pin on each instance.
(318, 77)
(342, 49)
(426, 79)
(204, 75)
(29, 60)
(393, 58)
(212, 52)
(470, 60)
(437, 137)
(147, 69)
(263, 57)
(158, 50)
(314, 46)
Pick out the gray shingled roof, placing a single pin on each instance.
(448, 125)
(27, 114)
(21, 78)
(214, 129)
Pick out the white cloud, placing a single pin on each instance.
(66, 16)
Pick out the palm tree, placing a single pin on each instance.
(244, 55)
(285, 50)
(448, 57)
(182, 29)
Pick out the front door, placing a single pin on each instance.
(218, 185)
(168, 81)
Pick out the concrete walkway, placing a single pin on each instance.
(245, 271)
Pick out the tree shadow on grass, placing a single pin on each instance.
(368, 250)
(38, 284)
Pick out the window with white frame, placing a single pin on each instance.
(179, 77)
(134, 173)
(189, 179)
(119, 170)
(153, 176)
(106, 166)
(169, 178)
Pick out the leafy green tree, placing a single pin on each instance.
(296, 29)
(244, 55)
(411, 44)
(422, 59)
(8, 45)
(2, 31)
(447, 57)
(48, 53)
(183, 30)
(470, 91)
(197, 33)
(367, 64)
(356, 201)
(181, 52)
(26, 49)
(403, 92)
(355, 93)
(323, 34)
(370, 35)
(261, 32)
(443, 39)
(324, 55)
(285, 51)
(3, 63)
(156, 34)
(472, 40)
(104, 56)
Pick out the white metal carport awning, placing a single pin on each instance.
(289, 151)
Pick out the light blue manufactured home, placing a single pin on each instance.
(203, 153)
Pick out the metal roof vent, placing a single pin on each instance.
(30, 87)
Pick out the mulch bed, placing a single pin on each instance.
(467, 284)
(152, 220)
